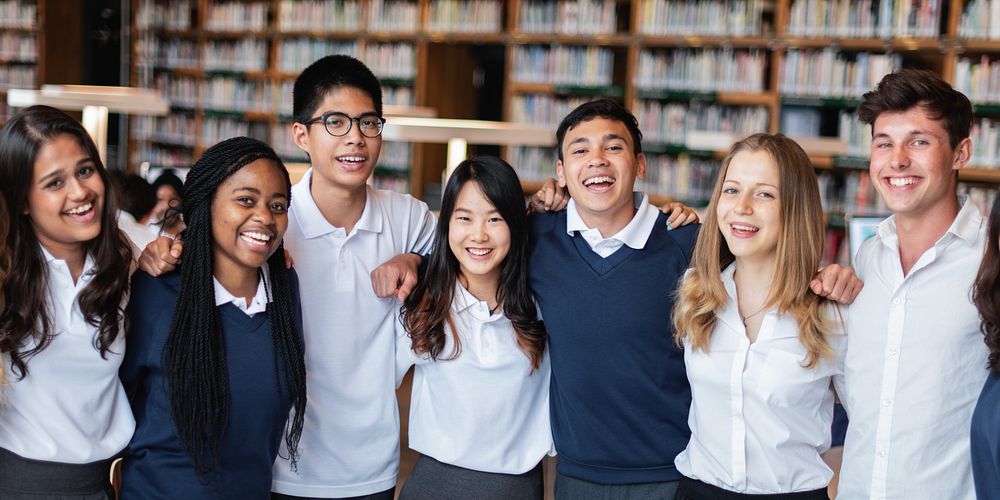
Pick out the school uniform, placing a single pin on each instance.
(619, 396)
(156, 464)
(759, 420)
(986, 441)
(350, 443)
(480, 420)
(914, 367)
(62, 423)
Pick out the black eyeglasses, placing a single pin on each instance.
(339, 124)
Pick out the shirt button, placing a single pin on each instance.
(881, 453)
(897, 301)
(892, 352)
(886, 402)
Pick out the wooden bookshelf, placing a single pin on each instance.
(22, 66)
(443, 66)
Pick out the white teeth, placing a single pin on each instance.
(352, 158)
(80, 209)
(479, 251)
(741, 227)
(255, 238)
(595, 180)
(902, 181)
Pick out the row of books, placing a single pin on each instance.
(170, 53)
(236, 94)
(465, 16)
(568, 17)
(18, 14)
(849, 192)
(396, 156)
(978, 78)
(670, 122)
(533, 164)
(20, 47)
(711, 70)
(215, 129)
(175, 128)
(18, 77)
(542, 109)
(247, 54)
(831, 73)
(394, 16)
(398, 96)
(318, 15)
(395, 183)
(980, 19)
(562, 65)
(284, 144)
(702, 17)
(237, 16)
(681, 177)
(855, 133)
(865, 18)
(295, 54)
(165, 156)
(171, 15)
(178, 90)
(985, 137)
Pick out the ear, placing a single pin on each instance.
(560, 174)
(640, 166)
(963, 152)
(300, 135)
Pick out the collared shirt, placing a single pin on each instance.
(634, 234)
(914, 367)
(71, 406)
(257, 305)
(350, 443)
(759, 420)
(484, 410)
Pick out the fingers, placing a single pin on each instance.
(406, 286)
(161, 255)
(548, 198)
(837, 283)
(289, 261)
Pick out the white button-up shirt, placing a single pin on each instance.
(350, 443)
(257, 305)
(634, 234)
(914, 367)
(759, 420)
(71, 407)
(484, 410)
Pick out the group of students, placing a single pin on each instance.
(660, 359)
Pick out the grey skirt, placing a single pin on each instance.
(25, 479)
(433, 480)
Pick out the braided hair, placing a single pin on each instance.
(194, 357)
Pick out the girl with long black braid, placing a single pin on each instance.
(215, 357)
(65, 414)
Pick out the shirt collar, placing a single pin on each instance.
(464, 300)
(634, 234)
(966, 226)
(88, 264)
(311, 220)
(260, 299)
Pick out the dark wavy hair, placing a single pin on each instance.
(986, 290)
(599, 108)
(327, 74)
(4, 252)
(29, 317)
(426, 309)
(194, 357)
(908, 88)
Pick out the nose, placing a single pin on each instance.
(262, 214)
(597, 158)
(744, 204)
(77, 190)
(354, 136)
(899, 157)
(479, 234)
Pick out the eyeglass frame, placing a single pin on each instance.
(350, 122)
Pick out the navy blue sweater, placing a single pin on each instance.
(986, 441)
(619, 393)
(156, 465)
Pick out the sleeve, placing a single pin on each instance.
(840, 353)
(140, 327)
(405, 358)
(422, 224)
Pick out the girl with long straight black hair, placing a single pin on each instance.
(479, 413)
(65, 415)
(215, 357)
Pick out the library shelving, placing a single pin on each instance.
(21, 47)
(731, 67)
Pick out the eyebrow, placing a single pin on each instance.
(911, 133)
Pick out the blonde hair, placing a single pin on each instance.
(800, 248)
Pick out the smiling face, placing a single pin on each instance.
(347, 161)
(913, 164)
(478, 237)
(66, 197)
(249, 218)
(749, 206)
(599, 167)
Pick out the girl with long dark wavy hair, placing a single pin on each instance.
(215, 356)
(4, 269)
(985, 441)
(61, 335)
(479, 412)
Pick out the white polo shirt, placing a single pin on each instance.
(350, 442)
(485, 410)
(634, 234)
(759, 420)
(914, 367)
(71, 406)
